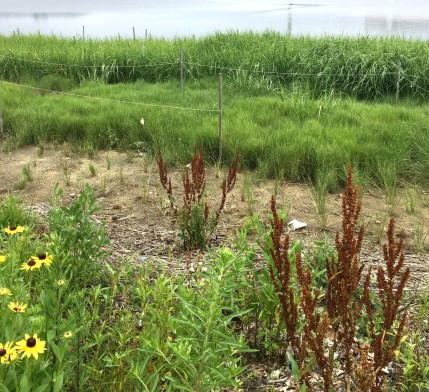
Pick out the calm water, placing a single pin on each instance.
(170, 18)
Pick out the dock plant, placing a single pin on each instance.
(322, 325)
(196, 221)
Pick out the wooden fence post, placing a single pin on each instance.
(220, 119)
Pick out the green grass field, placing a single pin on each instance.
(292, 106)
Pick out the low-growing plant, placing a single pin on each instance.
(414, 375)
(247, 194)
(323, 183)
(410, 201)
(419, 235)
(197, 223)
(20, 184)
(388, 178)
(77, 235)
(66, 171)
(91, 168)
(26, 173)
(13, 213)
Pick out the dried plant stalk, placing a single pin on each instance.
(196, 223)
(390, 283)
(228, 184)
(344, 272)
(164, 179)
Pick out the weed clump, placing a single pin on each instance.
(197, 223)
(323, 326)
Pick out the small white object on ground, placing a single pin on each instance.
(296, 225)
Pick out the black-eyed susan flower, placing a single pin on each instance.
(30, 265)
(68, 334)
(7, 352)
(17, 307)
(60, 282)
(14, 229)
(31, 346)
(2, 259)
(43, 259)
(4, 291)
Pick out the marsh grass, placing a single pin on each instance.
(289, 103)
(362, 67)
(325, 182)
(271, 133)
(410, 200)
(419, 235)
(389, 179)
(247, 193)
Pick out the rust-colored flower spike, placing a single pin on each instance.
(228, 184)
(194, 183)
(364, 375)
(344, 273)
(390, 283)
(315, 325)
(280, 273)
(198, 173)
(164, 179)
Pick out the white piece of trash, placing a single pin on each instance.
(296, 225)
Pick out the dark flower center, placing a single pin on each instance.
(31, 263)
(12, 228)
(42, 256)
(31, 342)
(16, 309)
(2, 352)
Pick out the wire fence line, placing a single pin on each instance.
(346, 80)
(416, 85)
(43, 62)
(107, 99)
(258, 68)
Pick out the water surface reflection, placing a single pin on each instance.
(169, 18)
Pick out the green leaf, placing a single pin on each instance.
(57, 351)
(41, 388)
(295, 368)
(59, 382)
(50, 335)
(23, 384)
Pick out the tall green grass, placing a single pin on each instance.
(362, 67)
(292, 134)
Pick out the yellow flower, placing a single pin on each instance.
(30, 265)
(7, 352)
(17, 307)
(2, 259)
(4, 291)
(68, 334)
(14, 229)
(43, 259)
(60, 282)
(31, 346)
